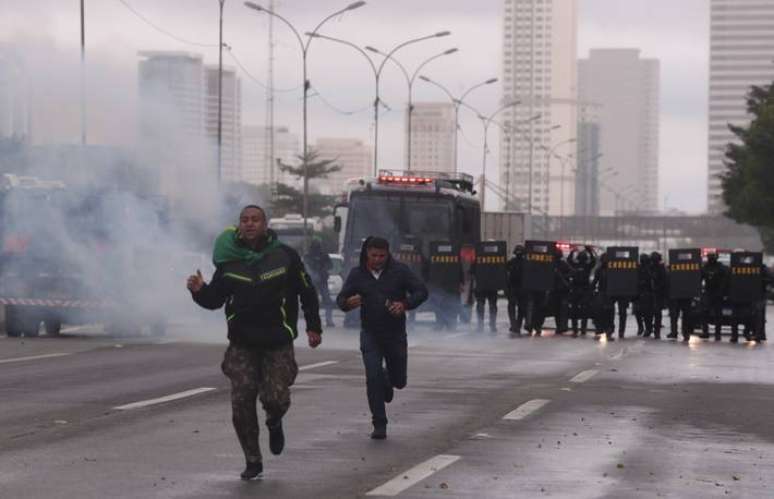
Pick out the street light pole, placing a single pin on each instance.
(304, 53)
(549, 154)
(458, 102)
(83, 73)
(486, 121)
(379, 70)
(376, 77)
(410, 79)
(220, 94)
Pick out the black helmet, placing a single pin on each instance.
(656, 257)
(518, 249)
(583, 257)
(644, 259)
(712, 258)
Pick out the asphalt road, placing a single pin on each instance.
(484, 415)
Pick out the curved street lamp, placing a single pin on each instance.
(457, 103)
(549, 154)
(304, 53)
(379, 70)
(410, 79)
(377, 75)
(486, 121)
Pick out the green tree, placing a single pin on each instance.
(288, 199)
(748, 182)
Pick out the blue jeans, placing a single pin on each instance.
(377, 351)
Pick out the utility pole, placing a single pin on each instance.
(83, 73)
(271, 162)
(220, 95)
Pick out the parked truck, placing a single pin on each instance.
(60, 262)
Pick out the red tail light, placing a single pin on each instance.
(468, 254)
(16, 244)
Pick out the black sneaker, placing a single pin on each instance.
(389, 391)
(380, 432)
(252, 470)
(276, 438)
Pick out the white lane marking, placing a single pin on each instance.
(161, 400)
(526, 409)
(455, 335)
(584, 376)
(319, 364)
(33, 357)
(413, 476)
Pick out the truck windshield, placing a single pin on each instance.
(395, 218)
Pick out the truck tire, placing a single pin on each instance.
(53, 326)
(22, 320)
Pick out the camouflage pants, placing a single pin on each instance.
(254, 374)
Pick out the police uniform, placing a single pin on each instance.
(319, 265)
(660, 291)
(517, 298)
(644, 304)
(561, 293)
(603, 307)
(714, 276)
(580, 291)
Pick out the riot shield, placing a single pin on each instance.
(539, 265)
(489, 271)
(684, 273)
(745, 282)
(622, 271)
(445, 271)
(409, 253)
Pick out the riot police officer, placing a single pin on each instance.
(660, 291)
(319, 265)
(603, 306)
(643, 304)
(714, 276)
(483, 296)
(517, 297)
(583, 264)
(561, 293)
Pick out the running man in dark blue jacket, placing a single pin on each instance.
(384, 289)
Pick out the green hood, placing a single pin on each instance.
(229, 248)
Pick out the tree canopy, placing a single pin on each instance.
(748, 182)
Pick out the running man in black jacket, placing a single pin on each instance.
(384, 289)
(259, 279)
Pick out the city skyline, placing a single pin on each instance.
(602, 24)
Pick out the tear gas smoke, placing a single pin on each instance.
(122, 226)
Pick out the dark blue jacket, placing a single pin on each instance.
(396, 283)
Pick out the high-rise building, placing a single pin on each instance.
(432, 136)
(171, 121)
(540, 128)
(626, 89)
(14, 97)
(231, 120)
(257, 165)
(587, 181)
(353, 156)
(741, 48)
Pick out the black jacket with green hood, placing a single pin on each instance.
(260, 290)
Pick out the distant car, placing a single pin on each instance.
(335, 279)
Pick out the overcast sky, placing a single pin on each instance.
(676, 32)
